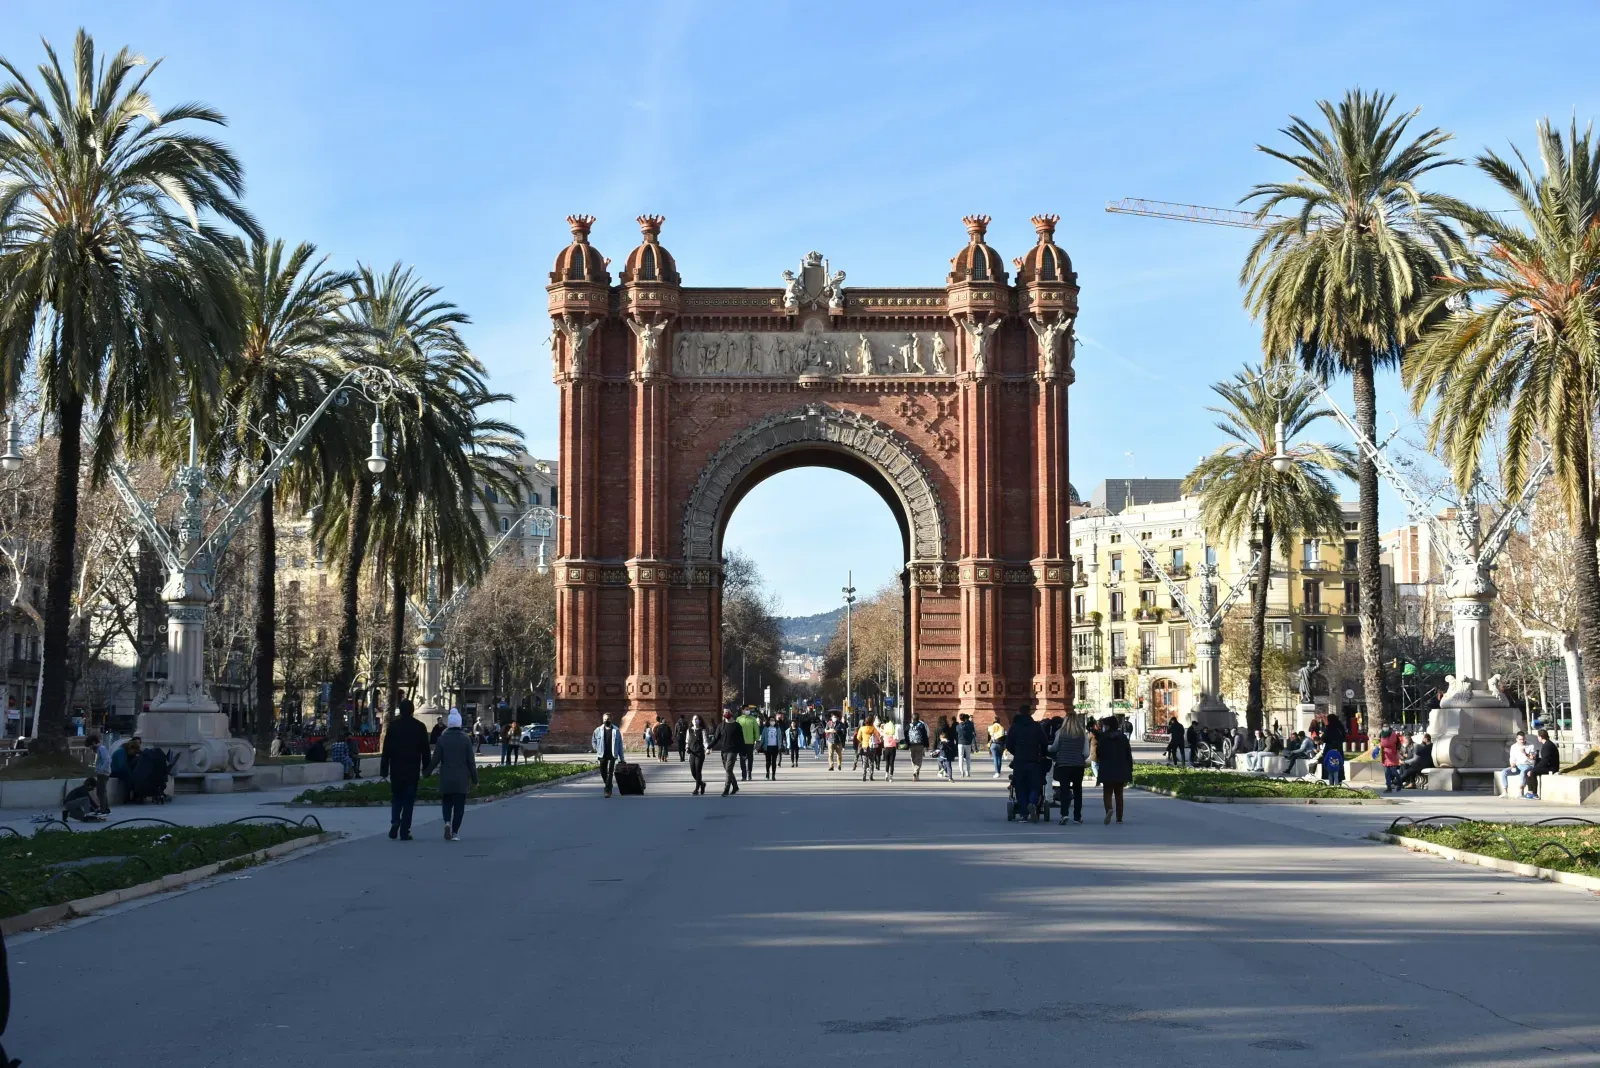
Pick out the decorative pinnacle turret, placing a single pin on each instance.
(1045, 225)
(651, 226)
(977, 225)
(580, 227)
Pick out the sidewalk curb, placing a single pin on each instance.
(83, 906)
(1462, 856)
(519, 791)
(1267, 800)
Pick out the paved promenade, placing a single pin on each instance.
(824, 920)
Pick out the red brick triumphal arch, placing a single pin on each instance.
(951, 402)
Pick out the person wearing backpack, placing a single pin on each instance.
(891, 745)
(868, 743)
(917, 741)
(966, 738)
(833, 735)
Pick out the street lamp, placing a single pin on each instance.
(849, 592)
(11, 460)
(377, 462)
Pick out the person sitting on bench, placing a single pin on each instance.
(1548, 762)
(1302, 749)
(1421, 760)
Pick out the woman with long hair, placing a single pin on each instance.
(1071, 752)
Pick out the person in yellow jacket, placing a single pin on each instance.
(750, 725)
(997, 745)
(870, 743)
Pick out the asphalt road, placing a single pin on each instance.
(823, 920)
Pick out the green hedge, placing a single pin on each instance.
(1520, 842)
(1201, 782)
(492, 782)
(29, 881)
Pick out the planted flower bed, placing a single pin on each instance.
(1563, 843)
(1192, 783)
(492, 782)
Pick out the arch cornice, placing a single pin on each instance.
(860, 436)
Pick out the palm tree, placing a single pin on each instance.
(1523, 344)
(1244, 497)
(1341, 283)
(292, 334)
(109, 279)
(410, 332)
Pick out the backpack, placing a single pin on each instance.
(919, 733)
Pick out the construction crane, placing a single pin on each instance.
(1161, 209)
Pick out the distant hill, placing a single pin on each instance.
(810, 634)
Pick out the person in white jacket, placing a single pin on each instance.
(607, 742)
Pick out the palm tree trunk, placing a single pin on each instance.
(51, 707)
(1369, 575)
(397, 633)
(1586, 590)
(266, 617)
(356, 532)
(1254, 710)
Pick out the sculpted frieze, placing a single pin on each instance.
(781, 354)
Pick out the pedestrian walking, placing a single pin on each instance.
(1114, 764)
(966, 738)
(750, 725)
(947, 750)
(1194, 739)
(1070, 750)
(505, 740)
(730, 742)
(997, 745)
(834, 735)
(917, 742)
(1025, 742)
(1175, 742)
(457, 766)
(680, 737)
(891, 745)
(695, 743)
(607, 742)
(405, 754)
(649, 740)
(664, 743)
(792, 736)
(771, 740)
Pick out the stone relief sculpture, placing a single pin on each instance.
(577, 333)
(1050, 335)
(781, 354)
(649, 336)
(980, 334)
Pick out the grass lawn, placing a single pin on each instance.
(1521, 842)
(31, 868)
(492, 782)
(1199, 782)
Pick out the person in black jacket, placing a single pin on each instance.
(694, 740)
(1548, 762)
(730, 742)
(1113, 757)
(405, 754)
(1175, 746)
(1421, 760)
(680, 736)
(1025, 742)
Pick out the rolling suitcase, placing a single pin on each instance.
(630, 779)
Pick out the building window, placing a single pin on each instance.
(1352, 597)
(535, 496)
(1083, 651)
(1116, 605)
(1077, 606)
(1313, 638)
(1119, 649)
(1352, 526)
(1116, 539)
(1147, 600)
(1172, 603)
(505, 524)
(1177, 534)
(490, 495)
(1083, 690)
(553, 503)
(1310, 553)
(1352, 630)
(1116, 564)
(1147, 648)
(1311, 596)
(1352, 551)
(1119, 689)
(1280, 635)
(1164, 696)
(1179, 637)
(1177, 559)
(1144, 535)
(1211, 555)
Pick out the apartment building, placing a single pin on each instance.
(1132, 646)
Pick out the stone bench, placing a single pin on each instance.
(1457, 780)
(1570, 789)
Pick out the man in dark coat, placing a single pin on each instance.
(1026, 744)
(405, 754)
(730, 743)
(1548, 762)
(680, 738)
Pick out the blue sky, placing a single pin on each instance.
(458, 136)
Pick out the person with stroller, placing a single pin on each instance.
(122, 763)
(1071, 752)
(1025, 743)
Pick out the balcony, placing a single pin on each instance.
(1080, 580)
(1118, 661)
(1179, 571)
(1114, 579)
(1148, 574)
(21, 665)
(1150, 615)
(1117, 617)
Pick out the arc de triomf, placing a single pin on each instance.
(950, 401)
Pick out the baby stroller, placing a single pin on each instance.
(147, 780)
(1040, 810)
